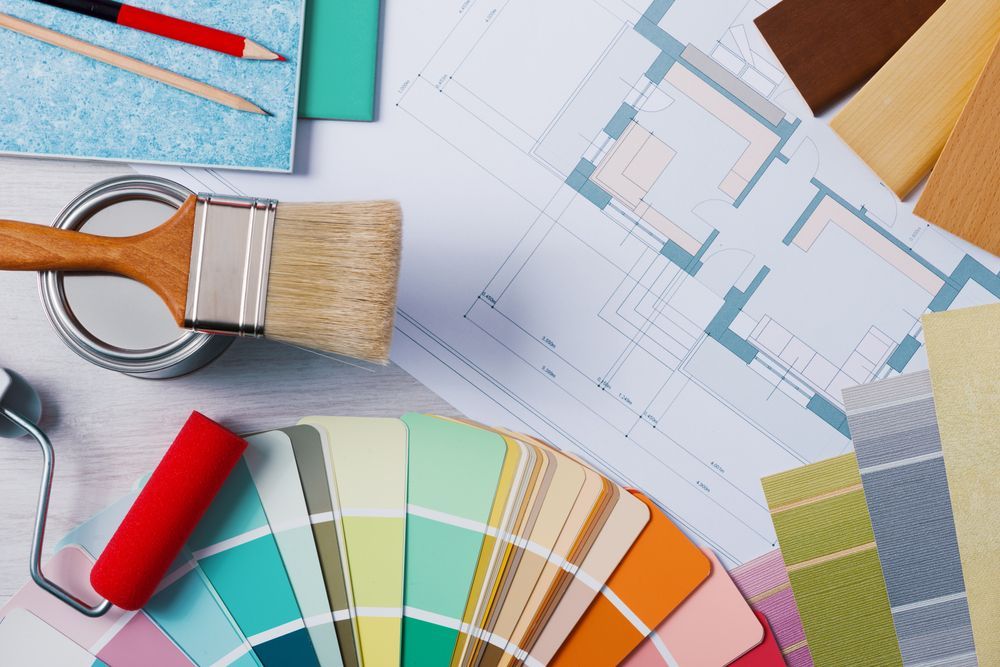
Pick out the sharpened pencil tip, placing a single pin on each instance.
(282, 59)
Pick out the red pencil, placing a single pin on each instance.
(168, 26)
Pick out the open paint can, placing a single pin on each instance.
(114, 322)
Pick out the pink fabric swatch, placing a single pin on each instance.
(117, 638)
(713, 627)
(764, 582)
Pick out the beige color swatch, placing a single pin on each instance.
(627, 519)
(964, 351)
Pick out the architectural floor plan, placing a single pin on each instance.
(626, 233)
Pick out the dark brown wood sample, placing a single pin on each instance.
(830, 47)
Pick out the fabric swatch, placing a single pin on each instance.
(828, 546)
(964, 351)
(898, 447)
(764, 583)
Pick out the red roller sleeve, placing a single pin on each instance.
(166, 512)
(181, 30)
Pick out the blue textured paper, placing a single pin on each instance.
(57, 103)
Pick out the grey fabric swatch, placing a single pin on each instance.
(898, 446)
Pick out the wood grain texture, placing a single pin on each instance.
(962, 194)
(159, 258)
(899, 122)
(830, 47)
(128, 64)
(109, 429)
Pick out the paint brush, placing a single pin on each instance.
(321, 276)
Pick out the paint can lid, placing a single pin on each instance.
(114, 322)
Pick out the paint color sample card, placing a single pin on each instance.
(552, 499)
(369, 461)
(661, 569)
(117, 638)
(235, 549)
(898, 446)
(271, 462)
(509, 521)
(551, 539)
(765, 654)
(625, 523)
(714, 626)
(537, 579)
(452, 479)
(339, 59)
(27, 641)
(60, 104)
(830, 47)
(964, 351)
(186, 606)
(764, 583)
(310, 457)
(826, 538)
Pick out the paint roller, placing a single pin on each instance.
(162, 517)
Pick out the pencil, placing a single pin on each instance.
(128, 64)
(167, 26)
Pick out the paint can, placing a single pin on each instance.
(114, 322)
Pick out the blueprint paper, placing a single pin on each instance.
(60, 104)
(626, 233)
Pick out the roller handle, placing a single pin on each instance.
(166, 512)
(159, 258)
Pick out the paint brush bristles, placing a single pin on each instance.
(333, 275)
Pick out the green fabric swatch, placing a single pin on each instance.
(824, 529)
(339, 58)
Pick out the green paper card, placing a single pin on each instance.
(339, 57)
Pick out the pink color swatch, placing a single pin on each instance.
(764, 582)
(113, 637)
(713, 627)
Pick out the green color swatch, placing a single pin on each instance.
(453, 474)
(339, 57)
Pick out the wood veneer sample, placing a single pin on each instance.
(830, 47)
(899, 122)
(962, 195)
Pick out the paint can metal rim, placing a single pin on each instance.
(188, 352)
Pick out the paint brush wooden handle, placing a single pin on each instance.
(159, 258)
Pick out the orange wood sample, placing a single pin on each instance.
(963, 194)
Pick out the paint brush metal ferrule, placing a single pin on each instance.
(230, 262)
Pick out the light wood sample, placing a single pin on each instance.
(899, 122)
(962, 195)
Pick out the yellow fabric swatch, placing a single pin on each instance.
(964, 351)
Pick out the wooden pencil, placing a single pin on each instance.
(128, 64)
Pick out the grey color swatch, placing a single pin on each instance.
(898, 446)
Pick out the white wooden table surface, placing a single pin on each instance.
(109, 429)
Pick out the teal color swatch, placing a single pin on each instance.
(339, 59)
(453, 474)
(237, 552)
(187, 609)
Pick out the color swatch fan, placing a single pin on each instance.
(349, 542)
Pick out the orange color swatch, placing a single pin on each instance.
(661, 569)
